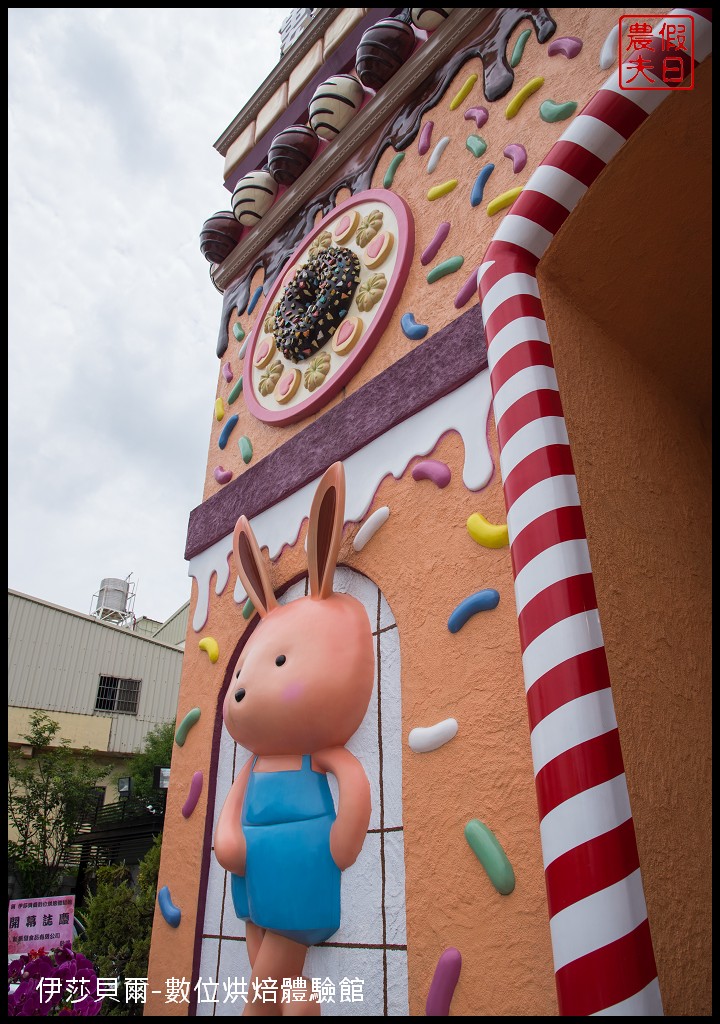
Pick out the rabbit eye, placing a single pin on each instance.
(280, 660)
(239, 695)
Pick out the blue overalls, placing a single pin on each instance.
(291, 883)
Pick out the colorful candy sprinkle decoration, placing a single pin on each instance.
(476, 145)
(482, 601)
(370, 527)
(169, 911)
(439, 237)
(504, 200)
(196, 785)
(484, 844)
(464, 92)
(449, 266)
(437, 153)
(478, 188)
(412, 330)
(442, 190)
(390, 172)
(210, 645)
(432, 469)
(525, 93)
(552, 112)
(190, 719)
(519, 47)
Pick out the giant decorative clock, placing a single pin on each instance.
(329, 307)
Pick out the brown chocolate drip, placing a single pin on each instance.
(489, 45)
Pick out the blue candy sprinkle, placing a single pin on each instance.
(254, 300)
(227, 431)
(483, 601)
(169, 911)
(479, 187)
(412, 330)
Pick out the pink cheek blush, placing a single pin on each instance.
(293, 691)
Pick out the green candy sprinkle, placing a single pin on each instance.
(186, 725)
(235, 393)
(489, 852)
(246, 449)
(445, 268)
(519, 47)
(390, 172)
(238, 332)
(476, 145)
(248, 609)
(552, 112)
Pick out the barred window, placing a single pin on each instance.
(118, 695)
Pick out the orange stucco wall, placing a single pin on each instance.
(641, 456)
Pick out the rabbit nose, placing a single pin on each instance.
(239, 694)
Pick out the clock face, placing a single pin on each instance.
(328, 307)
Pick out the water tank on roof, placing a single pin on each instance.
(113, 595)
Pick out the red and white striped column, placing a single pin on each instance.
(602, 950)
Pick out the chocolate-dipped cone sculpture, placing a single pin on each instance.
(253, 196)
(383, 50)
(335, 103)
(291, 153)
(219, 236)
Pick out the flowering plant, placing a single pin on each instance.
(54, 983)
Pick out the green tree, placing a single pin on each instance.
(156, 750)
(118, 922)
(49, 795)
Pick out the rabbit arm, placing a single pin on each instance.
(230, 847)
(353, 813)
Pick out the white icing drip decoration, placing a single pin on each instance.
(370, 527)
(213, 560)
(465, 410)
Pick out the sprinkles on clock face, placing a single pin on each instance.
(314, 303)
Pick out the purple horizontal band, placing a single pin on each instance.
(433, 369)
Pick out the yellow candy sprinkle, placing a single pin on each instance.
(442, 190)
(517, 101)
(210, 645)
(219, 411)
(463, 92)
(500, 202)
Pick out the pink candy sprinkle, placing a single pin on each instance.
(425, 136)
(431, 469)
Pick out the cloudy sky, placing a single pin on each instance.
(112, 316)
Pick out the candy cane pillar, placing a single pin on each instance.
(602, 950)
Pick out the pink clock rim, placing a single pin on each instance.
(366, 344)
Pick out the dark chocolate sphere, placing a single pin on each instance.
(291, 153)
(219, 236)
(382, 51)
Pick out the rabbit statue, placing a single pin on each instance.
(299, 690)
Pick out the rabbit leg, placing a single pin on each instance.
(277, 958)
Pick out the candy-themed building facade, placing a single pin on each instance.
(478, 280)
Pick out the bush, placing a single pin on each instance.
(118, 920)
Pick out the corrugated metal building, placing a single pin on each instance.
(107, 685)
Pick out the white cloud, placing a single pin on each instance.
(112, 317)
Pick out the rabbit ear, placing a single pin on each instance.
(251, 568)
(325, 531)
